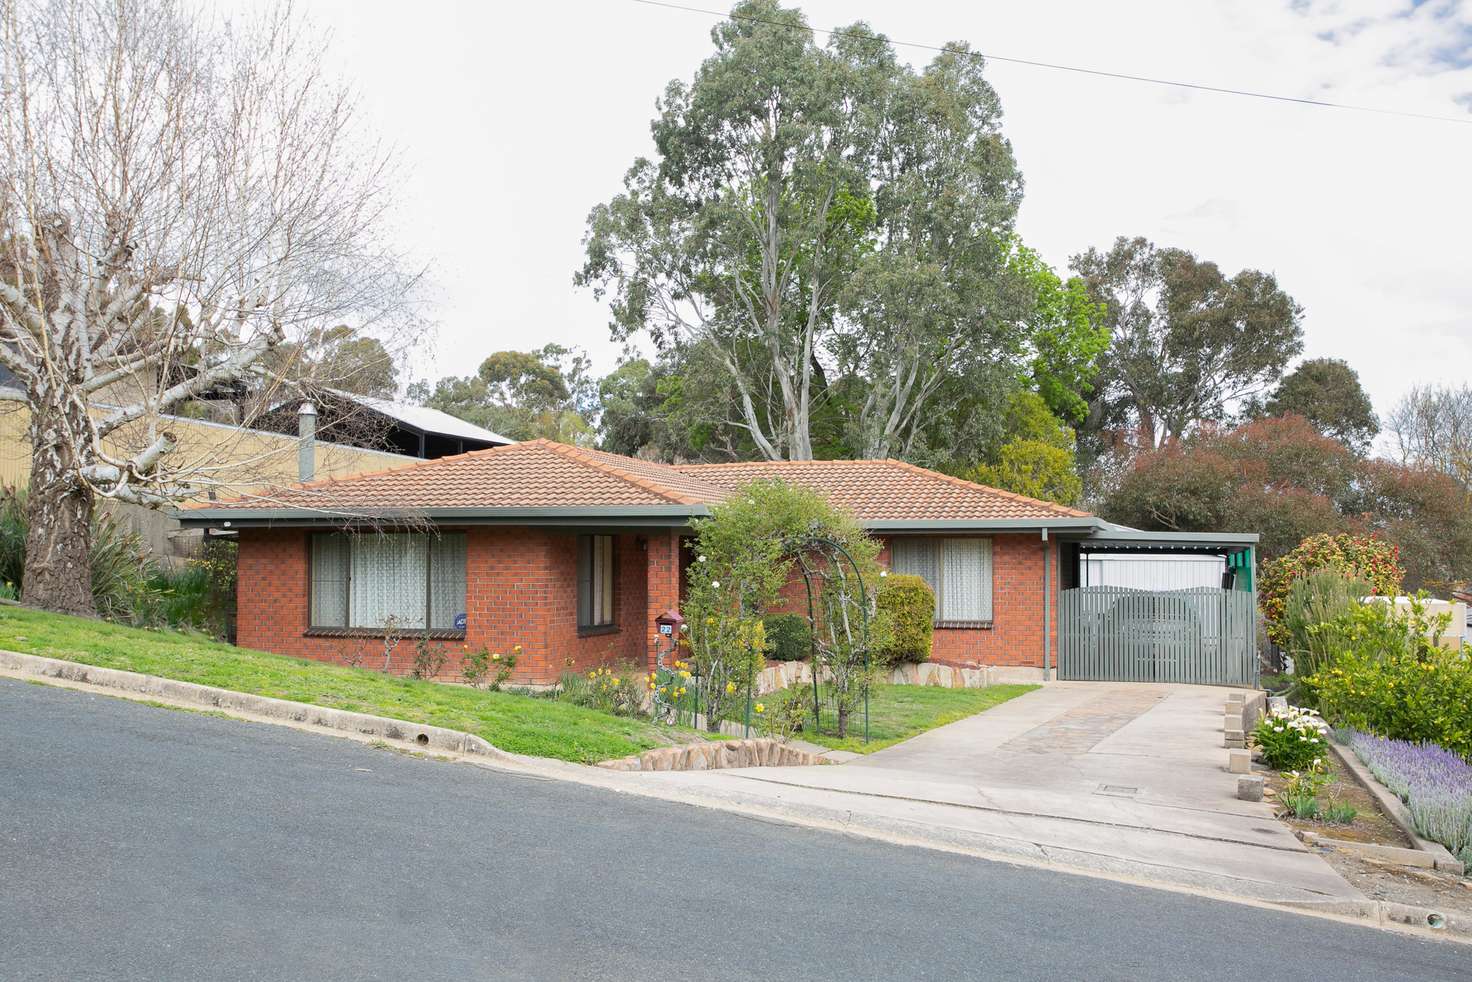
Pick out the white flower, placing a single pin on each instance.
(700, 559)
(883, 573)
(1277, 729)
(715, 584)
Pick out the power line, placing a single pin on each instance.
(857, 35)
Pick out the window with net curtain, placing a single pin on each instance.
(958, 570)
(374, 580)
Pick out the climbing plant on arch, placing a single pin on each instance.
(745, 553)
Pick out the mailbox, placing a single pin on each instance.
(669, 623)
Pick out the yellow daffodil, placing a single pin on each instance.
(730, 687)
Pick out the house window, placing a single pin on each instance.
(371, 581)
(595, 582)
(958, 570)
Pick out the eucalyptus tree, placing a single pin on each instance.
(181, 196)
(821, 215)
(1188, 343)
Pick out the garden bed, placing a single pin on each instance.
(1371, 824)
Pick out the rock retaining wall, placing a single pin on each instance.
(780, 675)
(715, 755)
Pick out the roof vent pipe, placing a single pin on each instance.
(306, 447)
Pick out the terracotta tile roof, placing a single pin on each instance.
(544, 474)
(888, 490)
(533, 474)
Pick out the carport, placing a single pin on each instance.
(1136, 606)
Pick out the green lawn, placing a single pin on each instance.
(516, 723)
(898, 712)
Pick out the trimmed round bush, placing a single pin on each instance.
(789, 637)
(908, 604)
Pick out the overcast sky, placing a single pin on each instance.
(513, 120)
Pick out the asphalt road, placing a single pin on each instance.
(149, 844)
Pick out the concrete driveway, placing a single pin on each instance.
(1127, 779)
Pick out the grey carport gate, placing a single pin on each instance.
(1202, 635)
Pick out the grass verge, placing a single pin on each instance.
(515, 723)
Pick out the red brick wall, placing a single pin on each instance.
(1016, 634)
(521, 588)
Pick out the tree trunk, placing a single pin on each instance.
(58, 568)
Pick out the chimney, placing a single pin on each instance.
(306, 448)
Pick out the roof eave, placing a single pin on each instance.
(1060, 522)
(593, 515)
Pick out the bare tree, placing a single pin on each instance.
(180, 197)
(1432, 425)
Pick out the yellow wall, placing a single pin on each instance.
(234, 459)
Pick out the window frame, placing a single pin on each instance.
(937, 544)
(348, 631)
(586, 552)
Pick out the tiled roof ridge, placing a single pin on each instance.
(580, 455)
(353, 478)
(962, 482)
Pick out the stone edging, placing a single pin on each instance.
(1390, 803)
(207, 696)
(715, 755)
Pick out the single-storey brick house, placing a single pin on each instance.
(572, 553)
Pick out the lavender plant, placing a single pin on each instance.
(1435, 784)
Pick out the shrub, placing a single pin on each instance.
(1365, 558)
(1389, 678)
(618, 690)
(1435, 784)
(1291, 741)
(485, 666)
(908, 603)
(121, 567)
(782, 713)
(1318, 597)
(789, 637)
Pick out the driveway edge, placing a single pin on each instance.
(476, 750)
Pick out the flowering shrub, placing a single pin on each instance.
(616, 690)
(1374, 561)
(1292, 741)
(1435, 784)
(487, 667)
(1390, 679)
(783, 713)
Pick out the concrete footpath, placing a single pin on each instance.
(1111, 778)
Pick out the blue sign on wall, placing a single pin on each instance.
(459, 622)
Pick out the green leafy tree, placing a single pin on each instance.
(348, 359)
(1327, 393)
(1187, 343)
(1035, 469)
(819, 218)
(1037, 458)
(523, 395)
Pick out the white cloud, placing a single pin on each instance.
(514, 120)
